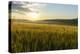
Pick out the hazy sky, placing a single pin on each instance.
(42, 11)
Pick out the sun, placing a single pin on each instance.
(32, 16)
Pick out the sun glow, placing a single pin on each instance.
(32, 16)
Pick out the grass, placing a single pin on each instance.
(28, 37)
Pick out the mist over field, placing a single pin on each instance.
(31, 36)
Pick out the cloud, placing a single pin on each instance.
(17, 7)
(25, 7)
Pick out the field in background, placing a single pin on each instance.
(27, 37)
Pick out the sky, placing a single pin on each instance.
(42, 11)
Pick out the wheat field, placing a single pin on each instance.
(30, 37)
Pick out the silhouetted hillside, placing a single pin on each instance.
(61, 21)
(73, 22)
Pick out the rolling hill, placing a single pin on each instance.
(73, 22)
